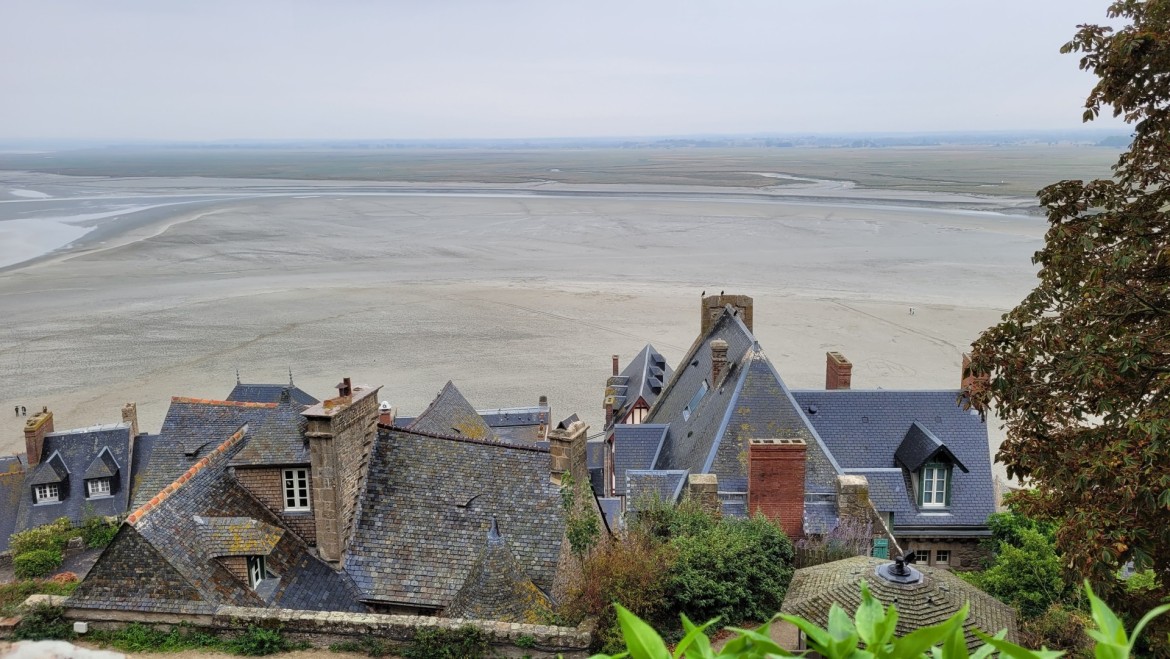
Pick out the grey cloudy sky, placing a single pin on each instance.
(212, 69)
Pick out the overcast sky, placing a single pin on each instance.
(210, 69)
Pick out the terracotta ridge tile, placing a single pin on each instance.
(179, 482)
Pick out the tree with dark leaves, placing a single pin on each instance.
(1080, 371)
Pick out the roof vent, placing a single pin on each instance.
(384, 407)
(812, 409)
(899, 571)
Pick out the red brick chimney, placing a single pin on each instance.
(718, 360)
(385, 414)
(776, 482)
(838, 371)
(615, 365)
(35, 430)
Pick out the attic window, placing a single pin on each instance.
(256, 571)
(934, 486)
(48, 493)
(97, 488)
(698, 397)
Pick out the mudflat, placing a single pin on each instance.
(510, 296)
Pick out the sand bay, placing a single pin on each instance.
(512, 297)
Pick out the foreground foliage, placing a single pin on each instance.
(871, 627)
(682, 559)
(135, 637)
(14, 594)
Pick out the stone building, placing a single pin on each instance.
(917, 464)
(336, 506)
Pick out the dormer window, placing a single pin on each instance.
(97, 488)
(256, 571)
(935, 486)
(48, 493)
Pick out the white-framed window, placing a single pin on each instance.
(48, 493)
(98, 487)
(942, 557)
(256, 571)
(922, 556)
(296, 489)
(638, 415)
(934, 486)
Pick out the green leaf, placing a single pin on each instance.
(642, 641)
(1137, 630)
(875, 625)
(814, 634)
(917, 642)
(759, 642)
(1111, 628)
(1009, 649)
(695, 644)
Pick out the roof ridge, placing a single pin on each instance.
(230, 403)
(466, 440)
(194, 470)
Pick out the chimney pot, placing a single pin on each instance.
(615, 365)
(345, 388)
(718, 360)
(544, 401)
(838, 371)
(386, 414)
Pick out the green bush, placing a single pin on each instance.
(738, 570)
(260, 641)
(44, 622)
(1059, 627)
(526, 641)
(51, 536)
(137, 637)
(873, 630)
(98, 533)
(36, 563)
(1027, 575)
(13, 595)
(467, 642)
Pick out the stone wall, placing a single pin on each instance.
(267, 485)
(322, 629)
(966, 554)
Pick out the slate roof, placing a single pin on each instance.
(751, 400)
(635, 446)
(864, 430)
(938, 596)
(192, 427)
(643, 485)
(103, 466)
(69, 455)
(278, 439)
(921, 446)
(236, 536)
(644, 377)
(518, 424)
(497, 588)
(143, 448)
(450, 414)
(159, 561)
(269, 393)
(422, 518)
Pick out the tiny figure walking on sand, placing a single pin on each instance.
(911, 311)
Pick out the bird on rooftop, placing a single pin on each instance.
(720, 293)
(703, 294)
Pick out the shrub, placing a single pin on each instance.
(98, 533)
(51, 536)
(632, 571)
(663, 520)
(36, 563)
(736, 570)
(526, 641)
(260, 641)
(1059, 627)
(64, 578)
(467, 642)
(1028, 575)
(13, 595)
(44, 622)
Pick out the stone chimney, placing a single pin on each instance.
(340, 432)
(567, 449)
(704, 488)
(616, 370)
(386, 414)
(776, 482)
(130, 415)
(838, 371)
(969, 379)
(712, 308)
(35, 429)
(718, 360)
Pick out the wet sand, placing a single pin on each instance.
(510, 297)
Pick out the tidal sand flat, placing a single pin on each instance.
(511, 297)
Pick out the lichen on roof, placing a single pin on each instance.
(236, 536)
(497, 588)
